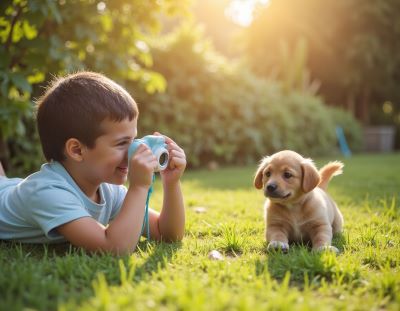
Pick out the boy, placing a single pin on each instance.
(86, 123)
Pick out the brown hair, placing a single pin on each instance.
(74, 107)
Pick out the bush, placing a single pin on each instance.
(219, 111)
(224, 113)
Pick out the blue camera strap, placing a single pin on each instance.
(146, 211)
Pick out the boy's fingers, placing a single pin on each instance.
(145, 155)
(143, 150)
(172, 145)
(178, 162)
(167, 139)
(178, 153)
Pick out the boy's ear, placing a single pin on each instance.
(74, 149)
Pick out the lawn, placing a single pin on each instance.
(224, 213)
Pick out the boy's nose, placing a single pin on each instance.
(125, 161)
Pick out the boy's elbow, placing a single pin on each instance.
(119, 248)
(170, 233)
(171, 238)
(176, 239)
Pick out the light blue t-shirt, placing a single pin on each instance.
(31, 208)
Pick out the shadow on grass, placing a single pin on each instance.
(64, 249)
(33, 275)
(37, 251)
(303, 265)
(64, 257)
(157, 255)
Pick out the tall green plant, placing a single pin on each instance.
(292, 68)
(41, 38)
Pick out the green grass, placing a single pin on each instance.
(180, 276)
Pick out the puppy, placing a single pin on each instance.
(297, 208)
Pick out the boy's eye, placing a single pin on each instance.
(123, 143)
(287, 175)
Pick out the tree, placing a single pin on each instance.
(352, 48)
(40, 38)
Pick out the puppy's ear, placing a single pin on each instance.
(258, 175)
(311, 176)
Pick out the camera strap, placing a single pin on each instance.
(146, 211)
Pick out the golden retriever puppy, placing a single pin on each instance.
(297, 208)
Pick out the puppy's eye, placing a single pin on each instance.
(287, 175)
(268, 174)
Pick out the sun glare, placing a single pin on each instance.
(241, 11)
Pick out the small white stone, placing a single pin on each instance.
(200, 209)
(215, 255)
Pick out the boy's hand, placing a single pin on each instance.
(177, 161)
(141, 167)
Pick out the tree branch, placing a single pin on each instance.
(13, 22)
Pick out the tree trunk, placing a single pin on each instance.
(351, 103)
(363, 106)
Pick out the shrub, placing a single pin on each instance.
(221, 112)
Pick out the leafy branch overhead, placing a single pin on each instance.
(42, 38)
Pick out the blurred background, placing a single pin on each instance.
(229, 80)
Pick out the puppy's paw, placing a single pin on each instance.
(327, 248)
(277, 245)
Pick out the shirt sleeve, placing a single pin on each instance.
(119, 193)
(54, 206)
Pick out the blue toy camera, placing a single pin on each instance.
(158, 148)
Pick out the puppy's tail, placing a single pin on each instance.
(328, 171)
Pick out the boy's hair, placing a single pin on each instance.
(74, 107)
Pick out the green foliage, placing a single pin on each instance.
(350, 48)
(180, 276)
(222, 112)
(232, 241)
(217, 110)
(43, 38)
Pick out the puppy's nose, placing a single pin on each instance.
(271, 187)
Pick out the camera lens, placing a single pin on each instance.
(163, 159)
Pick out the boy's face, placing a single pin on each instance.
(107, 161)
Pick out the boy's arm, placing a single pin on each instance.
(123, 233)
(120, 236)
(169, 225)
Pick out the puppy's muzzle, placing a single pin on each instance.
(271, 188)
(272, 191)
